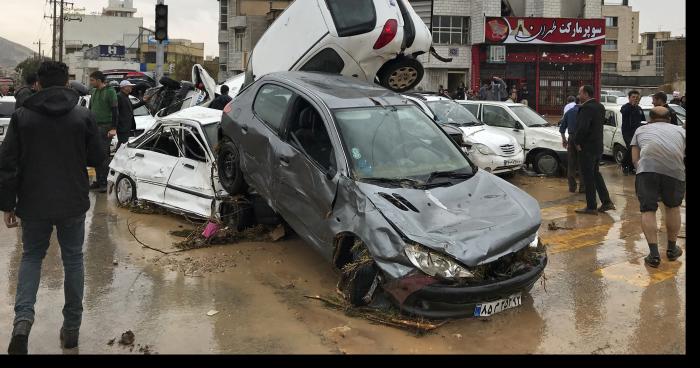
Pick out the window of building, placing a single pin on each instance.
(659, 58)
(238, 37)
(648, 62)
(611, 21)
(610, 45)
(223, 14)
(326, 61)
(610, 67)
(449, 30)
(636, 65)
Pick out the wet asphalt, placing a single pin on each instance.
(597, 296)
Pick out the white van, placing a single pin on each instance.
(540, 140)
(366, 39)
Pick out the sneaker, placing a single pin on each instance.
(674, 253)
(652, 261)
(20, 338)
(587, 211)
(69, 338)
(606, 207)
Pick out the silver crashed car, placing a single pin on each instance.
(381, 191)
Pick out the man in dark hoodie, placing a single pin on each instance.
(24, 92)
(44, 182)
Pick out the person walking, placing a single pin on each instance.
(127, 124)
(568, 122)
(632, 117)
(588, 140)
(658, 151)
(222, 100)
(24, 92)
(43, 182)
(104, 104)
(659, 99)
(570, 102)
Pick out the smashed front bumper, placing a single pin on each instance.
(425, 296)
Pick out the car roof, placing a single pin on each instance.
(499, 103)
(203, 115)
(337, 91)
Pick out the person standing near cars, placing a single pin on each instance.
(588, 139)
(570, 102)
(658, 150)
(524, 94)
(676, 100)
(104, 104)
(659, 99)
(495, 90)
(4, 90)
(222, 100)
(568, 122)
(632, 117)
(127, 123)
(43, 181)
(24, 92)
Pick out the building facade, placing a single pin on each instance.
(176, 51)
(241, 24)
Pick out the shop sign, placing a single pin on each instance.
(556, 31)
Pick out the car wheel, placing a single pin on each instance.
(230, 174)
(619, 153)
(359, 276)
(125, 190)
(400, 75)
(546, 163)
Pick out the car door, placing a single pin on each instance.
(609, 129)
(498, 117)
(152, 162)
(306, 171)
(190, 186)
(260, 135)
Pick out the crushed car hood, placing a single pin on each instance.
(476, 221)
(490, 137)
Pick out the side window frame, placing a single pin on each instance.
(317, 54)
(196, 134)
(276, 130)
(286, 136)
(505, 111)
(608, 116)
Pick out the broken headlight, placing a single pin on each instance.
(483, 149)
(435, 264)
(535, 242)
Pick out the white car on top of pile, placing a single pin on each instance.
(490, 149)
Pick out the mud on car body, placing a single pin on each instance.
(381, 191)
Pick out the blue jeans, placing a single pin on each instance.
(35, 237)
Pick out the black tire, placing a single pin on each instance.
(547, 163)
(123, 197)
(400, 75)
(228, 163)
(359, 285)
(619, 153)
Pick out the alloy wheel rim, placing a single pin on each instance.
(403, 77)
(125, 191)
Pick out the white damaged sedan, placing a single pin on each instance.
(172, 165)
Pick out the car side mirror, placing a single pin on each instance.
(517, 127)
(331, 172)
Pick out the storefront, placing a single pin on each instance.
(552, 57)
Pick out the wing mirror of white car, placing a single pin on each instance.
(517, 127)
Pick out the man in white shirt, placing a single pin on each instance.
(571, 102)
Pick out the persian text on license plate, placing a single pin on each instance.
(511, 162)
(491, 308)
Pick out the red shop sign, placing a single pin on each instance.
(557, 31)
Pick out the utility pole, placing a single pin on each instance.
(39, 43)
(60, 42)
(53, 42)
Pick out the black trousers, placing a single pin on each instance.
(102, 169)
(593, 180)
(627, 160)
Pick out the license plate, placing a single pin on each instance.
(491, 308)
(511, 162)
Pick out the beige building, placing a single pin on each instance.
(177, 50)
(621, 40)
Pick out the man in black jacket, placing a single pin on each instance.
(632, 117)
(126, 123)
(49, 144)
(588, 139)
(659, 99)
(222, 100)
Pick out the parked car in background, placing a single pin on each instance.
(613, 143)
(366, 39)
(610, 92)
(171, 165)
(489, 148)
(7, 107)
(679, 110)
(372, 183)
(541, 142)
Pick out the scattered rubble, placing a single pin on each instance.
(212, 312)
(553, 226)
(127, 338)
(111, 342)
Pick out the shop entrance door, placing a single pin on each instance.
(454, 79)
(557, 85)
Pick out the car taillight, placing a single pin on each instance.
(228, 107)
(388, 33)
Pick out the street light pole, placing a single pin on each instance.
(160, 54)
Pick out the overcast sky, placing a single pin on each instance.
(22, 20)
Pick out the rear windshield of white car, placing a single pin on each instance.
(450, 112)
(352, 17)
(528, 116)
(396, 143)
(6, 109)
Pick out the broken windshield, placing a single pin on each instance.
(398, 143)
(450, 112)
(529, 117)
